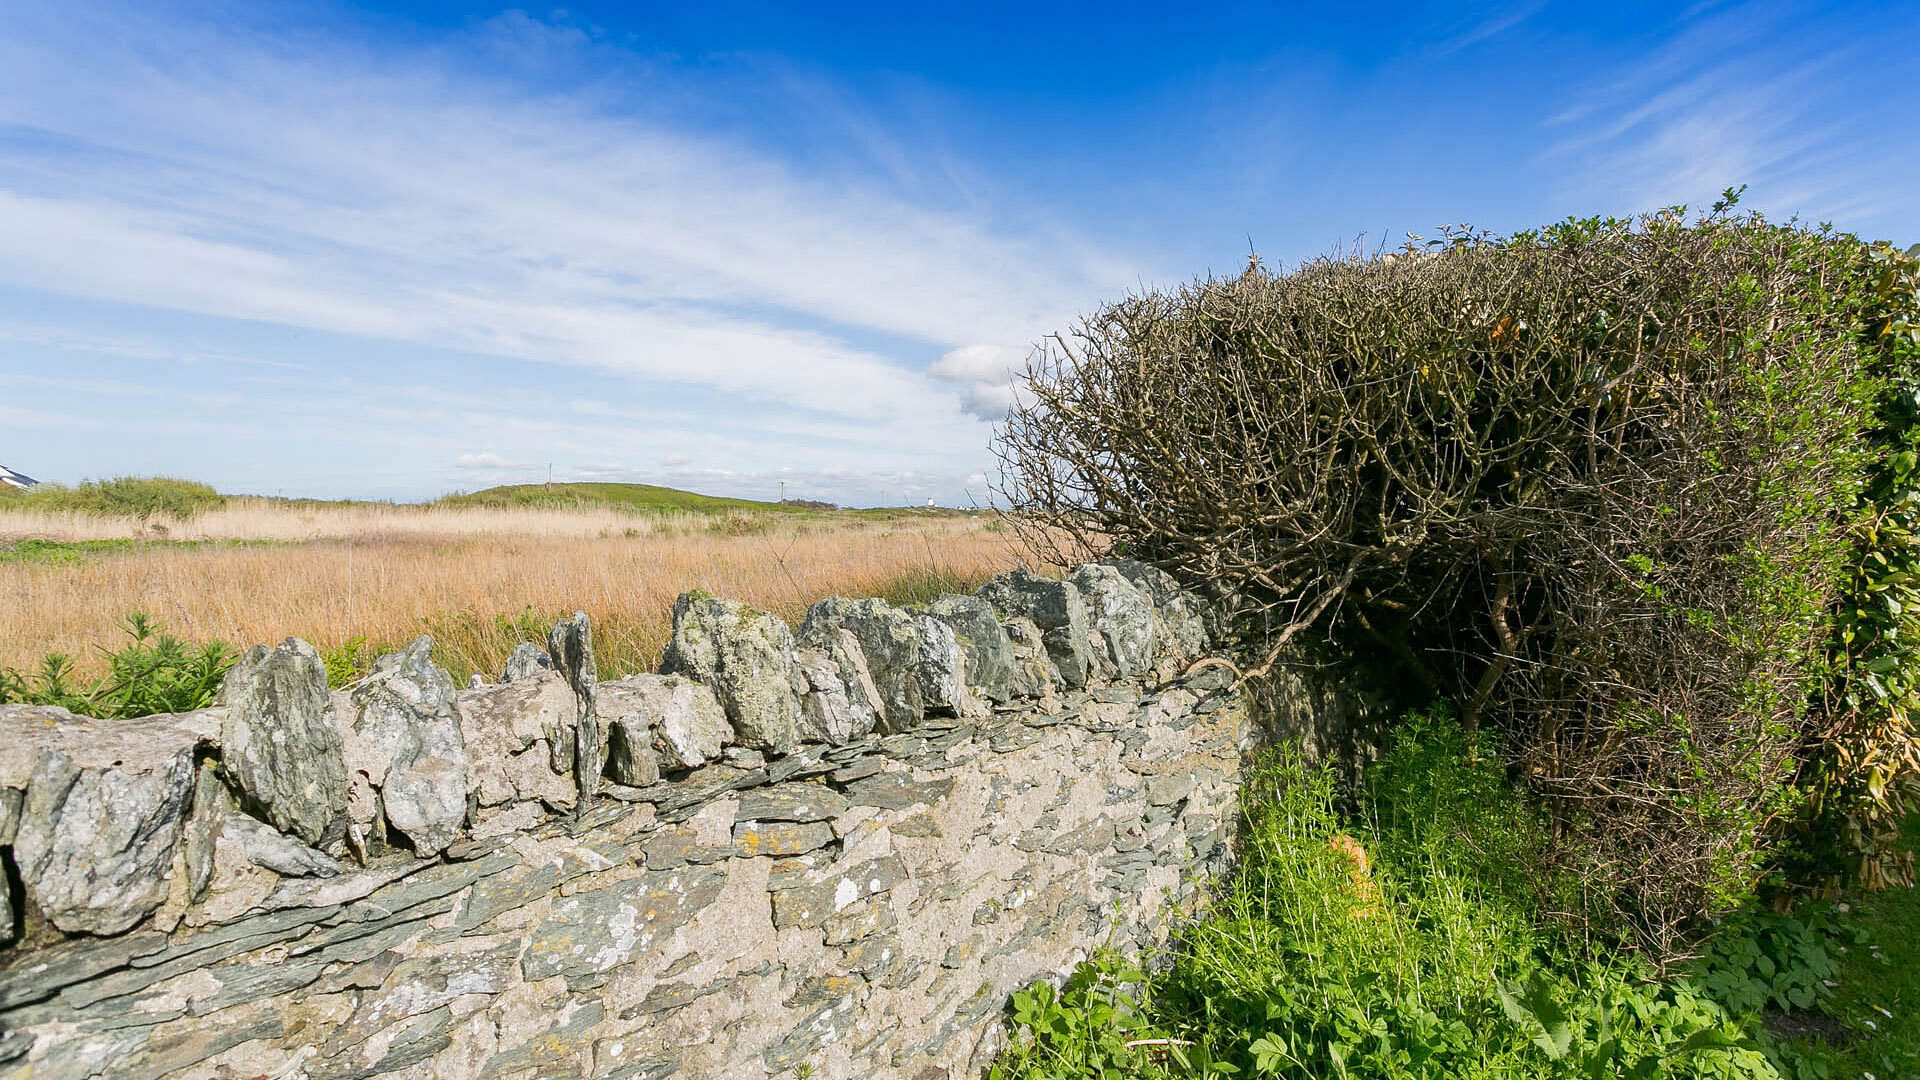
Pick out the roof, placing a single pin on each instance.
(14, 479)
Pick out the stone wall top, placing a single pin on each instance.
(286, 795)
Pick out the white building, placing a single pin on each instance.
(9, 478)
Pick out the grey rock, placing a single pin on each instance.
(11, 800)
(791, 802)
(897, 791)
(755, 838)
(993, 669)
(678, 722)
(887, 643)
(268, 847)
(839, 702)
(103, 813)
(278, 743)
(570, 644)
(407, 716)
(591, 932)
(513, 732)
(8, 906)
(940, 665)
(1123, 617)
(526, 661)
(1057, 609)
(1181, 613)
(747, 657)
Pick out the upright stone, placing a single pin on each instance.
(526, 661)
(840, 703)
(1181, 614)
(570, 643)
(659, 722)
(102, 817)
(940, 666)
(1057, 608)
(1122, 615)
(747, 657)
(887, 640)
(408, 717)
(993, 671)
(278, 744)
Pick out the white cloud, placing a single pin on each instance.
(751, 302)
(990, 372)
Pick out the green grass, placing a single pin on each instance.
(71, 552)
(1877, 999)
(648, 498)
(651, 498)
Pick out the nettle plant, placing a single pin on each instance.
(1601, 483)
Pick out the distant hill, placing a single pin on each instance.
(646, 497)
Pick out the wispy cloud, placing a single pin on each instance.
(291, 179)
(1782, 98)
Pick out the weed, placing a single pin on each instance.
(154, 672)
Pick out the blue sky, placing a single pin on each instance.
(394, 250)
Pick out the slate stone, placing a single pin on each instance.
(1169, 788)
(592, 932)
(526, 661)
(271, 849)
(561, 1050)
(791, 802)
(756, 838)
(279, 746)
(874, 637)
(95, 845)
(993, 670)
(406, 715)
(1057, 609)
(897, 791)
(11, 800)
(808, 761)
(747, 657)
(570, 644)
(812, 903)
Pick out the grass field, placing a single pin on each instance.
(480, 578)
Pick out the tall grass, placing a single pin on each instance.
(479, 580)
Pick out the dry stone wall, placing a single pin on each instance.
(831, 852)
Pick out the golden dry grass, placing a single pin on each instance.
(245, 518)
(478, 580)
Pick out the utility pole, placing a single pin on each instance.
(783, 491)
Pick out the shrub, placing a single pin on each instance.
(1595, 481)
(154, 672)
(127, 496)
(1861, 760)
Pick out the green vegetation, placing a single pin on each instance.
(1411, 938)
(1877, 1001)
(126, 496)
(1639, 495)
(71, 552)
(646, 498)
(153, 672)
